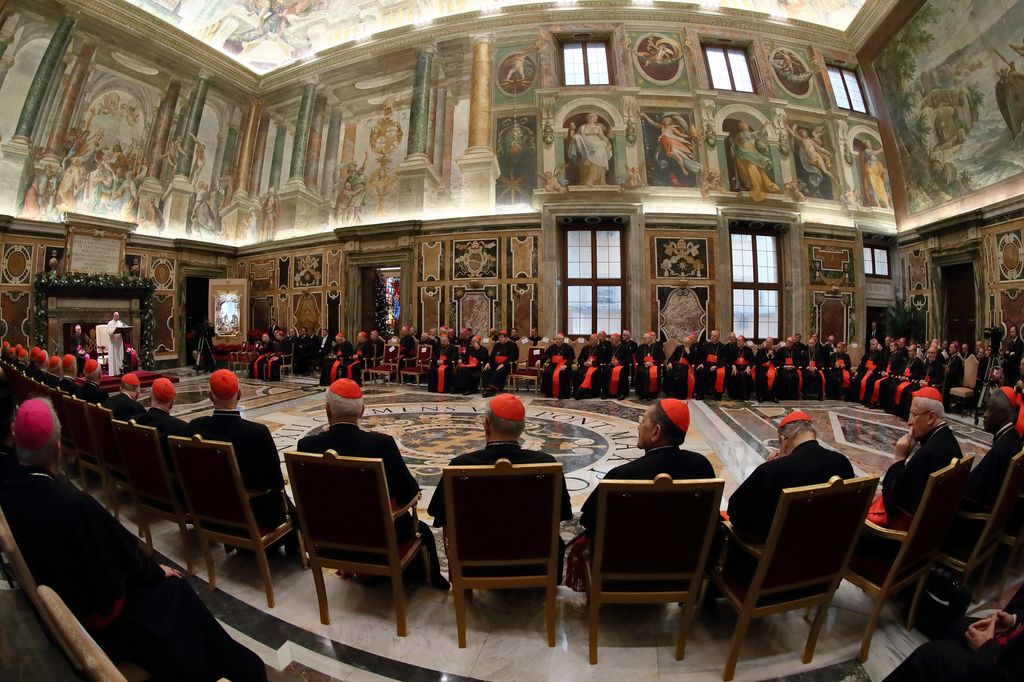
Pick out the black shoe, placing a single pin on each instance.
(439, 583)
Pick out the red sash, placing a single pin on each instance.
(556, 377)
(500, 359)
(613, 383)
(770, 374)
(812, 365)
(875, 391)
(878, 516)
(652, 375)
(1020, 422)
(741, 362)
(841, 365)
(334, 371)
(348, 368)
(690, 381)
(870, 367)
(587, 379)
(440, 377)
(789, 361)
(719, 372)
(711, 358)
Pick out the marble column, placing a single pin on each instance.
(227, 161)
(195, 116)
(250, 129)
(479, 165)
(298, 164)
(419, 113)
(348, 146)
(313, 144)
(258, 153)
(440, 108)
(41, 82)
(277, 158)
(162, 126)
(69, 99)
(333, 144)
(6, 62)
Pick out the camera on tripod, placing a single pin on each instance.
(995, 335)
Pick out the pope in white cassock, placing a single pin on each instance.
(115, 350)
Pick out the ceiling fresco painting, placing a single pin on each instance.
(264, 35)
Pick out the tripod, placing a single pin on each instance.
(986, 385)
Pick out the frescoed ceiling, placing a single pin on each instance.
(264, 35)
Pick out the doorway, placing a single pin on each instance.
(961, 306)
(197, 306)
(380, 299)
(874, 314)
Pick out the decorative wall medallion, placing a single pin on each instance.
(309, 270)
(682, 258)
(522, 256)
(475, 259)
(791, 72)
(659, 58)
(831, 265)
(163, 272)
(1011, 262)
(431, 261)
(306, 310)
(682, 311)
(516, 73)
(430, 306)
(17, 264)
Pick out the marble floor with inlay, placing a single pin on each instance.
(506, 638)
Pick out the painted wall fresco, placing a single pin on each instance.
(516, 148)
(672, 148)
(956, 98)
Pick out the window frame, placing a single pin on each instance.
(569, 40)
(593, 281)
(843, 70)
(875, 250)
(726, 49)
(756, 286)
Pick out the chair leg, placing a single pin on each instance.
(261, 561)
(460, 612)
(211, 575)
(988, 567)
(595, 626)
(321, 593)
(812, 636)
(549, 612)
(918, 591)
(398, 589)
(144, 531)
(184, 546)
(685, 620)
(738, 635)
(869, 630)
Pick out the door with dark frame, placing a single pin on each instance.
(961, 304)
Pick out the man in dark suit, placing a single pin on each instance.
(37, 368)
(258, 461)
(990, 648)
(161, 401)
(659, 435)
(986, 479)
(67, 380)
(1012, 355)
(344, 408)
(90, 391)
(926, 448)
(125, 403)
(52, 375)
(799, 461)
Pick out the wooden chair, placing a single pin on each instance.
(971, 552)
(669, 347)
(152, 485)
(964, 393)
(1013, 539)
(286, 364)
(328, 488)
(388, 365)
(529, 370)
(915, 549)
(421, 369)
(81, 649)
(497, 551)
(636, 562)
(219, 503)
(826, 517)
(101, 426)
(22, 574)
(88, 458)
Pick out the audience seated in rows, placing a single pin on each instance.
(90, 391)
(125, 403)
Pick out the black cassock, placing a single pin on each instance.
(883, 381)
(814, 371)
(741, 378)
(467, 373)
(904, 482)
(712, 365)
(954, 375)
(442, 369)
(1011, 361)
(589, 380)
(114, 587)
(556, 379)
(905, 385)
(354, 365)
(267, 365)
(649, 371)
(790, 378)
(334, 363)
(620, 371)
(840, 376)
(765, 374)
(869, 364)
(680, 380)
(502, 362)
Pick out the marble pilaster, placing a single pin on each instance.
(419, 112)
(297, 168)
(249, 131)
(68, 100)
(313, 143)
(438, 118)
(258, 153)
(36, 96)
(331, 148)
(479, 165)
(277, 157)
(162, 126)
(191, 129)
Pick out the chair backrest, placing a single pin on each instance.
(627, 546)
(329, 487)
(1006, 501)
(827, 517)
(208, 475)
(934, 515)
(577, 347)
(528, 537)
(669, 347)
(82, 648)
(424, 353)
(970, 371)
(101, 423)
(144, 463)
(534, 357)
(78, 424)
(391, 353)
(66, 438)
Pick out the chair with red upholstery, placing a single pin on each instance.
(826, 517)
(387, 367)
(636, 562)
(489, 551)
(529, 370)
(914, 550)
(219, 503)
(421, 369)
(327, 488)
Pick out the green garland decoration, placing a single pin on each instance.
(50, 282)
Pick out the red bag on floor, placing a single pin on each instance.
(575, 564)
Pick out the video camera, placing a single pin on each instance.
(995, 335)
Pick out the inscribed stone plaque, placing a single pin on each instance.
(96, 254)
